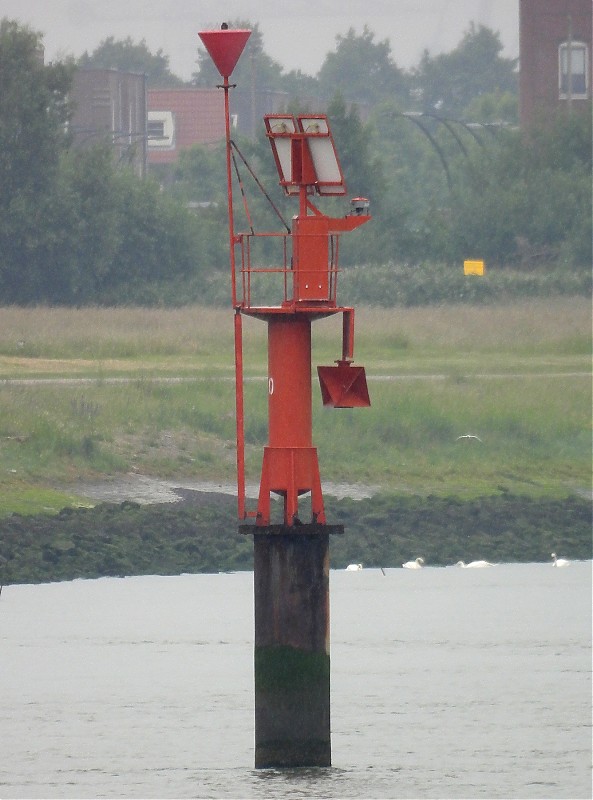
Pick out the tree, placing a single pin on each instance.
(529, 201)
(301, 88)
(361, 70)
(200, 174)
(110, 237)
(493, 107)
(73, 227)
(447, 83)
(415, 182)
(362, 174)
(358, 162)
(129, 56)
(34, 111)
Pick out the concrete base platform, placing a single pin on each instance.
(292, 662)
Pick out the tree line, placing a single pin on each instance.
(76, 228)
(360, 68)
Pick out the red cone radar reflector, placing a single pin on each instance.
(343, 386)
(225, 47)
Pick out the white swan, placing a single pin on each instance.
(559, 562)
(418, 563)
(353, 567)
(474, 564)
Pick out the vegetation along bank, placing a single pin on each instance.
(200, 535)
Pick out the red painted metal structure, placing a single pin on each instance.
(291, 559)
(308, 166)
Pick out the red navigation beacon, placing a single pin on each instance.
(290, 554)
(308, 167)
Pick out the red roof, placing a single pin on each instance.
(198, 118)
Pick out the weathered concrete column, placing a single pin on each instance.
(292, 661)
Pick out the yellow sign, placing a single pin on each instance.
(473, 267)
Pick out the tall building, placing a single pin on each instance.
(555, 57)
(110, 106)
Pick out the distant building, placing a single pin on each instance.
(110, 105)
(180, 118)
(555, 57)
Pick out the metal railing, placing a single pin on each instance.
(279, 284)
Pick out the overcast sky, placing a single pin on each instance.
(297, 33)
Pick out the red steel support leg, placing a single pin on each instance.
(240, 422)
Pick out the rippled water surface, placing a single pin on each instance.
(446, 683)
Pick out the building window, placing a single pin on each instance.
(160, 127)
(573, 72)
(156, 129)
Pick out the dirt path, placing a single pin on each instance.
(146, 490)
(435, 376)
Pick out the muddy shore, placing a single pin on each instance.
(145, 490)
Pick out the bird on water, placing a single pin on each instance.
(474, 564)
(559, 562)
(418, 563)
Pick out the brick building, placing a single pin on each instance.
(555, 57)
(180, 118)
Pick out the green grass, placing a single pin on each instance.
(516, 376)
(534, 436)
(37, 500)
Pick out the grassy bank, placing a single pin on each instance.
(516, 376)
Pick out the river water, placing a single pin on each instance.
(446, 683)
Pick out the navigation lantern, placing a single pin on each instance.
(360, 205)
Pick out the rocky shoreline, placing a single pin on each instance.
(198, 532)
